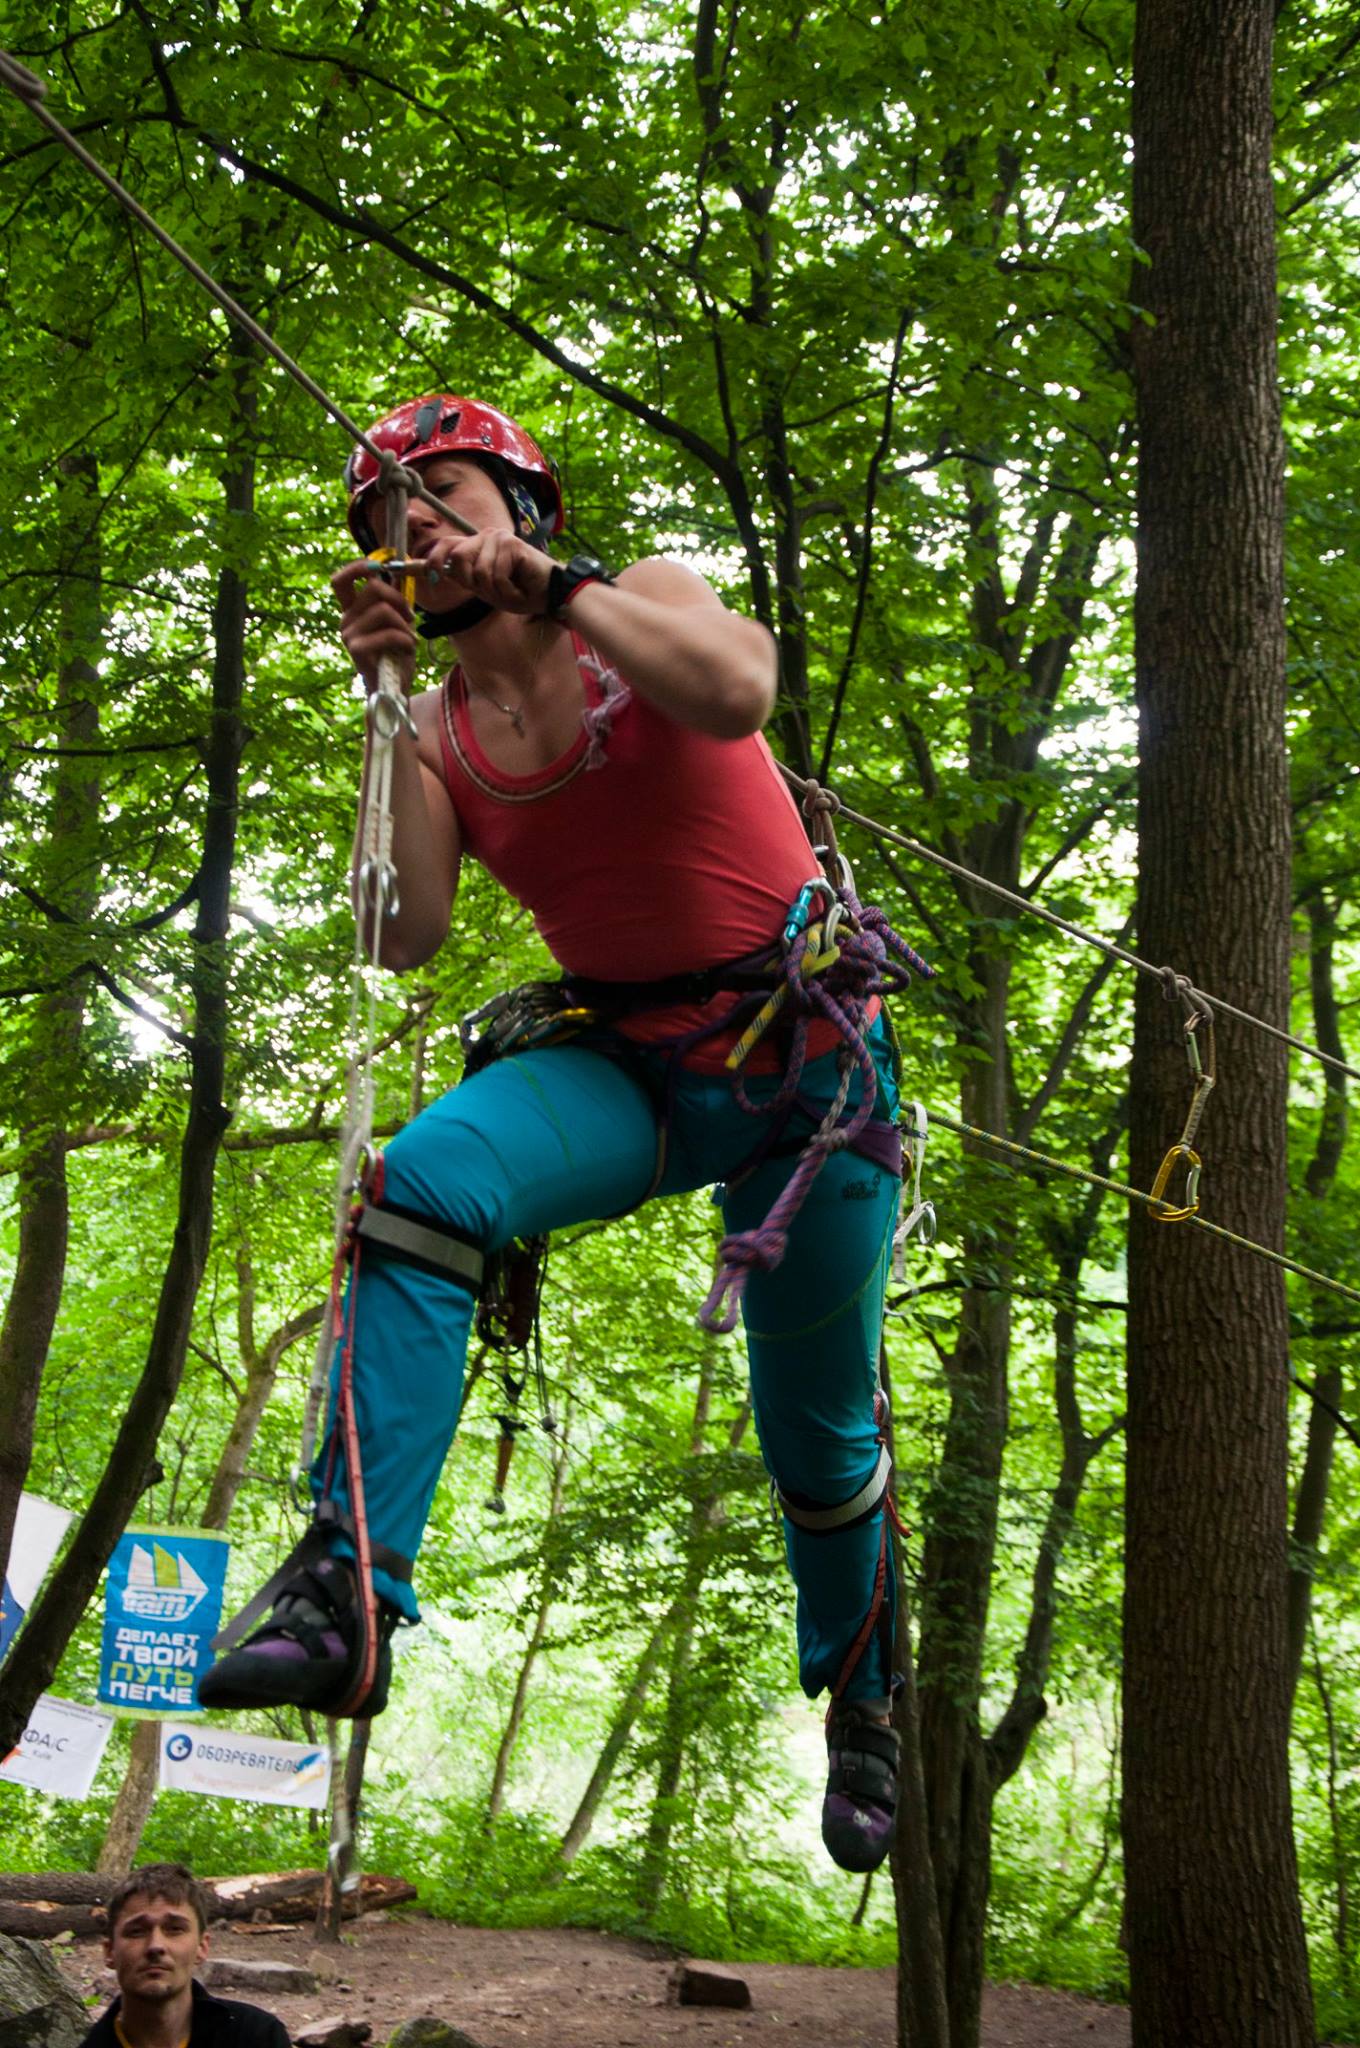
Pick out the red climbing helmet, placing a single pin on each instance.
(443, 424)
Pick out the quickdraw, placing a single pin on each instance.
(1198, 1017)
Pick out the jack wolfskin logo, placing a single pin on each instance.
(860, 1190)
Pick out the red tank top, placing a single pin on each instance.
(648, 851)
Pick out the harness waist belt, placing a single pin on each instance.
(749, 975)
(826, 1521)
(430, 1245)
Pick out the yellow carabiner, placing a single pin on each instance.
(408, 583)
(1163, 1212)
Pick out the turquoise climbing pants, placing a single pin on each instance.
(566, 1134)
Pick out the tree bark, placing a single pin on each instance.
(32, 1662)
(677, 1722)
(1310, 1498)
(635, 1698)
(73, 868)
(1216, 1950)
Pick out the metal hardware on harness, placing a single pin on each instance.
(536, 1013)
(826, 1521)
(920, 1217)
(507, 1314)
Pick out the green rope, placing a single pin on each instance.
(1151, 1202)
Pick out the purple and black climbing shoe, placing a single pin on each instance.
(861, 1783)
(309, 1652)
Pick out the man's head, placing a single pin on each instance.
(157, 1932)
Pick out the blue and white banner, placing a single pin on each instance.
(60, 1750)
(38, 1530)
(162, 1607)
(227, 1765)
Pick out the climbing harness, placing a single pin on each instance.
(832, 966)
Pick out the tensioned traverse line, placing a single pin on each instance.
(1048, 1163)
(1062, 924)
(30, 90)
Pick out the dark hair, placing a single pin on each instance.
(170, 1881)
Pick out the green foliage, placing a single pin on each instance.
(837, 308)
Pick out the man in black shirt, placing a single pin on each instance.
(157, 1934)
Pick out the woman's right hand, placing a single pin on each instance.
(375, 620)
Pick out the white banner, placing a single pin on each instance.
(229, 1766)
(60, 1750)
(38, 1530)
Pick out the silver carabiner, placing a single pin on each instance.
(378, 887)
(389, 715)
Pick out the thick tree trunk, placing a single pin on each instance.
(1216, 1950)
(32, 1662)
(72, 882)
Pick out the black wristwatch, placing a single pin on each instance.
(567, 578)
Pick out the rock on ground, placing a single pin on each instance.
(709, 1984)
(38, 2008)
(425, 2031)
(263, 1980)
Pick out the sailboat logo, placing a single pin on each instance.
(162, 1585)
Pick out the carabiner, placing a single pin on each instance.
(389, 715)
(378, 886)
(802, 908)
(1164, 1212)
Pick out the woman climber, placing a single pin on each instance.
(597, 746)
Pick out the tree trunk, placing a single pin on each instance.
(538, 1629)
(634, 1700)
(676, 1723)
(32, 1662)
(961, 1522)
(1216, 1950)
(72, 881)
(922, 1993)
(1310, 1499)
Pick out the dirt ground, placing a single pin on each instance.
(566, 1988)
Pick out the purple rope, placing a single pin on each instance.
(842, 996)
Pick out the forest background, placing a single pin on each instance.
(837, 305)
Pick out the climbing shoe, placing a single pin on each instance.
(310, 1650)
(861, 1783)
